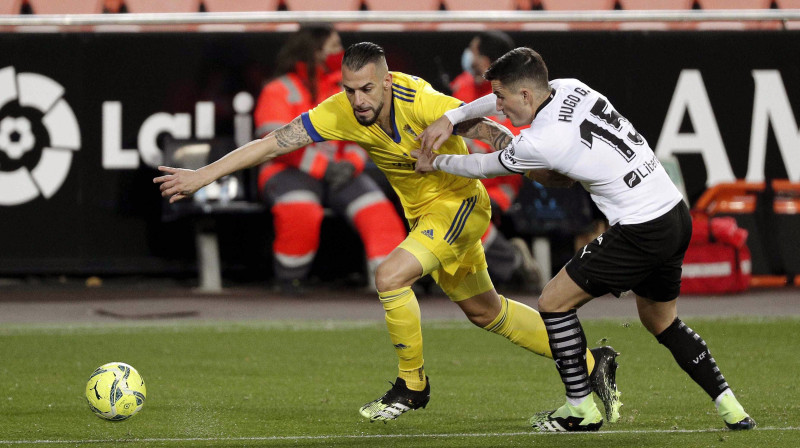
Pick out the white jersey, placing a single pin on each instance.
(579, 134)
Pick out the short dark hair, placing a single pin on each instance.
(358, 55)
(519, 64)
(494, 44)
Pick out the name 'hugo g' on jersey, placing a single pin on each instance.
(578, 133)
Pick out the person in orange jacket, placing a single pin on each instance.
(510, 261)
(297, 186)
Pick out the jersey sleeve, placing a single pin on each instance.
(474, 166)
(524, 153)
(330, 120)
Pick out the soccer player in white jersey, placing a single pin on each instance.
(577, 135)
(383, 112)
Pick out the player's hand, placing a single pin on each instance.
(434, 136)
(425, 158)
(179, 183)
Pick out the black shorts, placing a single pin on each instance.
(645, 258)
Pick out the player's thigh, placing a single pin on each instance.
(672, 232)
(403, 266)
(611, 263)
(451, 230)
(470, 281)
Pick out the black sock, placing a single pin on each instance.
(568, 345)
(691, 353)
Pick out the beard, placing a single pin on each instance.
(369, 121)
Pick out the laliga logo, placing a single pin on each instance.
(38, 133)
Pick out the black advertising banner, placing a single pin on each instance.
(83, 119)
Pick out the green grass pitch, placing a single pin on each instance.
(301, 383)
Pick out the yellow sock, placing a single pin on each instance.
(523, 326)
(405, 331)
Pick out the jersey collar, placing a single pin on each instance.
(397, 137)
(546, 102)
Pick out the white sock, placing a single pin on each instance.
(577, 401)
(717, 400)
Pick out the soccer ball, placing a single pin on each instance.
(115, 391)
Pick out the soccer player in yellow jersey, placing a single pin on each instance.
(384, 112)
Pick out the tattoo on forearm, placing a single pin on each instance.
(487, 131)
(293, 135)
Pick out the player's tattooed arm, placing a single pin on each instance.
(487, 131)
(293, 135)
(178, 183)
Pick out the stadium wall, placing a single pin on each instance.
(79, 198)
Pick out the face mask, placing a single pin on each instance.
(334, 61)
(466, 60)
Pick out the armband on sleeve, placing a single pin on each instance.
(482, 107)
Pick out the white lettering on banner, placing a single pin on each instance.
(204, 120)
(771, 106)
(691, 97)
(177, 125)
(243, 121)
(114, 157)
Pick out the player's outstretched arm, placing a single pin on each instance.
(440, 130)
(179, 183)
(490, 132)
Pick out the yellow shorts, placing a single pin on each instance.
(447, 242)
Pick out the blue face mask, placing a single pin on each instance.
(466, 60)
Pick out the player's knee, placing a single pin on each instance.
(388, 277)
(481, 318)
(547, 304)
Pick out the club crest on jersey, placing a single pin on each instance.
(408, 129)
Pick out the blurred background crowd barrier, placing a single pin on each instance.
(91, 104)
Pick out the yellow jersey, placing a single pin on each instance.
(415, 105)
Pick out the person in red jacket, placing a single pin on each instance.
(298, 185)
(509, 260)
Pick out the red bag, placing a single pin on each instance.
(717, 260)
